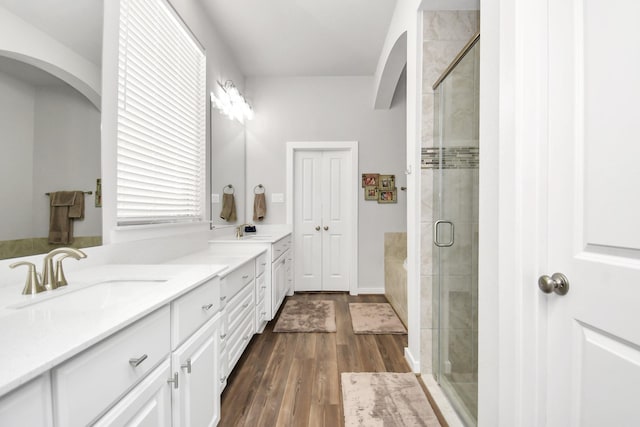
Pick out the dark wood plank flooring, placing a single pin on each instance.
(293, 379)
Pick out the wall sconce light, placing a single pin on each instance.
(231, 103)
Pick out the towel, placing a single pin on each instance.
(65, 206)
(228, 212)
(259, 207)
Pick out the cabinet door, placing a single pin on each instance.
(197, 398)
(278, 283)
(148, 404)
(29, 405)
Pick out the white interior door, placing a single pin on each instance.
(321, 220)
(593, 331)
(335, 221)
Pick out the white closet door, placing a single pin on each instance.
(322, 192)
(308, 220)
(335, 221)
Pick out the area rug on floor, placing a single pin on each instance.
(375, 318)
(385, 399)
(307, 316)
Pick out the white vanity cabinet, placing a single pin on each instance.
(29, 405)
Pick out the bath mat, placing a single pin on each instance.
(385, 399)
(375, 318)
(307, 316)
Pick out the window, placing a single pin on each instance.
(161, 117)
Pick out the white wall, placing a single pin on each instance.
(17, 108)
(66, 155)
(329, 109)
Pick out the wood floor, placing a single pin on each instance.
(293, 379)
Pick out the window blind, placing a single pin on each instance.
(161, 117)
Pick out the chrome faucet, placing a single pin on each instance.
(51, 280)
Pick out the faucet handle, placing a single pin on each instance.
(32, 284)
(60, 280)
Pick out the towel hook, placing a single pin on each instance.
(230, 187)
(257, 188)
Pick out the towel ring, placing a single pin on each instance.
(257, 188)
(230, 187)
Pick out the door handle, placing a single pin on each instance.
(435, 234)
(557, 283)
(317, 228)
(326, 227)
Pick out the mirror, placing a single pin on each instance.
(49, 119)
(227, 160)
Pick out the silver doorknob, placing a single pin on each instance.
(317, 228)
(557, 283)
(326, 227)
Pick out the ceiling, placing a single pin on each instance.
(75, 23)
(303, 37)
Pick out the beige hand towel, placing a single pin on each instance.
(60, 221)
(259, 207)
(228, 212)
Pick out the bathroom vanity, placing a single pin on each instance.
(150, 343)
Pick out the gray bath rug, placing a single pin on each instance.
(385, 399)
(375, 318)
(307, 316)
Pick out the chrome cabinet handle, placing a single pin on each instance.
(245, 338)
(245, 305)
(435, 234)
(187, 366)
(223, 298)
(326, 227)
(317, 228)
(207, 307)
(263, 264)
(223, 336)
(557, 283)
(138, 361)
(174, 380)
(263, 287)
(223, 379)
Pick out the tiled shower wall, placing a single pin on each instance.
(445, 34)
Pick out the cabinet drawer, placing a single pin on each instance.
(234, 281)
(193, 309)
(280, 247)
(240, 340)
(261, 264)
(261, 289)
(240, 307)
(89, 383)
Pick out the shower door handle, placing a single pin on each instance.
(435, 234)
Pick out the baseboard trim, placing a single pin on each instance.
(413, 363)
(370, 291)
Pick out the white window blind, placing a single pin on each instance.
(161, 117)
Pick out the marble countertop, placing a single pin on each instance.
(212, 256)
(38, 332)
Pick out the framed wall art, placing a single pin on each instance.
(387, 196)
(387, 182)
(370, 180)
(371, 193)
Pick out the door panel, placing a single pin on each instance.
(308, 216)
(593, 336)
(335, 274)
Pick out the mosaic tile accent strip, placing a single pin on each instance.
(452, 158)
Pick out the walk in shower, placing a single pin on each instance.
(455, 231)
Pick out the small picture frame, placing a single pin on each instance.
(387, 196)
(370, 180)
(387, 182)
(371, 192)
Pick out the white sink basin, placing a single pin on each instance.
(90, 297)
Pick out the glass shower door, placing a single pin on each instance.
(456, 235)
